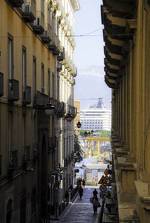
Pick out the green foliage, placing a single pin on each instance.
(103, 133)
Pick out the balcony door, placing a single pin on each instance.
(10, 57)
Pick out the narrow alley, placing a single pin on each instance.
(81, 211)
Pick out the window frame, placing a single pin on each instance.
(10, 48)
(42, 78)
(24, 68)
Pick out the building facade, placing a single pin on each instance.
(77, 123)
(36, 107)
(95, 119)
(127, 50)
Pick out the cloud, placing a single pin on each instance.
(92, 70)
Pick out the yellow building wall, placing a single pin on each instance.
(22, 36)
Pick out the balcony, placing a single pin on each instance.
(13, 162)
(61, 55)
(45, 38)
(15, 3)
(13, 90)
(27, 13)
(52, 47)
(59, 67)
(71, 113)
(56, 51)
(1, 84)
(61, 109)
(41, 100)
(37, 27)
(53, 102)
(27, 95)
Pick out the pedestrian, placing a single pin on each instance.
(80, 191)
(83, 183)
(96, 204)
(79, 180)
(95, 193)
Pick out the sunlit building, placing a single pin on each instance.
(95, 119)
(36, 107)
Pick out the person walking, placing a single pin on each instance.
(95, 193)
(83, 182)
(80, 191)
(96, 204)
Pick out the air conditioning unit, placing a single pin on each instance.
(27, 13)
(37, 27)
(1, 84)
(13, 90)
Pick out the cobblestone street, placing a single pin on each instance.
(81, 211)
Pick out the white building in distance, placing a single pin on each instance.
(96, 118)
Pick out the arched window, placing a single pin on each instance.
(9, 211)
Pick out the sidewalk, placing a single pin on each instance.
(80, 211)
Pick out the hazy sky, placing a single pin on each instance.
(89, 55)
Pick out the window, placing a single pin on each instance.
(24, 68)
(10, 57)
(14, 158)
(27, 153)
(42, 78)
(58, 87)
(49, 73)
(53, 85)
(33, 5)
(34, 76)
(0, 164)
(42, 12)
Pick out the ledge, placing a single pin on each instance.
(143, 191)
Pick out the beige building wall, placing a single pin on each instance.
(32, 143)
(129, 80)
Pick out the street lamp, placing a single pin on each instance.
(79, 125)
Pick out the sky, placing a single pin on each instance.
(89, 55)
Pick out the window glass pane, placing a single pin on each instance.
(34, 76)
(10, 57)
(24, 65)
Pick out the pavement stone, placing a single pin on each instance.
(81, 211)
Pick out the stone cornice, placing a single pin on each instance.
(75, 5)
